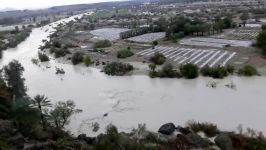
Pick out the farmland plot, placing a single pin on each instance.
(215, 42)
(110, 34)
(240, 34)
(149, 37)
(199, 57)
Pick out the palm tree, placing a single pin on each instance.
(41, 101)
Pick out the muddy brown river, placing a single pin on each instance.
(135, 99)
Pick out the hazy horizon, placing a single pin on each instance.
(38, 4)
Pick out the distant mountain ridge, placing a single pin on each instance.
(67, 8)
(7, 9)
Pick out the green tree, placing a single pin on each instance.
(189, 71)
(152, 67)
(40, 101)
(158, 58)
(13, 76)
(244, 17)
(60, 115)
(261, 41)
(227, 21)
(24, 115)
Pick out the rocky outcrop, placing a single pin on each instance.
(88, 140)
(196, 140)
(224, 141)
(167, 129)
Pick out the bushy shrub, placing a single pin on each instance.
(102, 44)
(254, 144)
(230, 69)
(189, 71)
(43, 57)
(168, 72)
(158, 58)
(248, 71)
(124, 53)
(3, 46)
(77, 58)
(18, 38)
(154, 43)
(56, 44)
(216, 72)
(86, 60)
(209, 129)
(117, 68)
(59, 52)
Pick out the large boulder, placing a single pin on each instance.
(224, 141)
(82, 136)
(88, 140)
(167, 129)
(196, 140)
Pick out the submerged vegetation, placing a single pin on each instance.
(167, 71)
(189, 71)
(124, 53)
(117, 68)
(43, 57)
(77, 58)
(158, 58)
(248, 71)
(10, 39)
(217, 72)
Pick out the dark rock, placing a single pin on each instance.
(224, 141)
(17, 140)
(59, 71)
(167, 129)
(105, 115)
(196, 140)
(90, 140)
(82, 136)
(182, 130)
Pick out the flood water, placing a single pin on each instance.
(131, 100)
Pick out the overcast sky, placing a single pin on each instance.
(34, 4)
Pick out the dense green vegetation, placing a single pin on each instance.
(248, 70)
(43, 57)
(189, 71)
(124, 53)
(180, 26)
(117, 69)
(167, 71)
(27, 117)
(86, 60)
(102, 44)
(217, 72)
(158, 58)
(261, 40)
(13, 38)
(77, 58)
